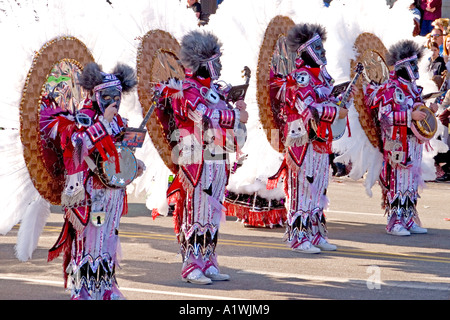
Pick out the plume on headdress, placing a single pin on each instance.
(126, 75)
(197, 47)
(300, 33)
(402, 50)
(93, 75)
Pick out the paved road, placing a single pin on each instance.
(369, 264)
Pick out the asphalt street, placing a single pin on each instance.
(368, 265)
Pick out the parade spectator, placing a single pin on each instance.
(432, 10)
(203, 18)
(417, 18)
(446, 48)
(437, 64)
(442, 160)
(441, 23)
(436, 35)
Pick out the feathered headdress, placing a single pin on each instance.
(300, 34)
(402, 50)
(198, 48)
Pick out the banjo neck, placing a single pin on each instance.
(150, 111)
(359, 69)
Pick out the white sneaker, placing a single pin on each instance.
(399, 230)
(325, 245)
(417, 230)
(197, 277)
(306, 247)
(213, 274)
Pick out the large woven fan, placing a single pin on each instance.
(52, 77)
(157, 61)
(273, 58)
(371, 53)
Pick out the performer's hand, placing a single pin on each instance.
(343, 112)
(418, 115)
(241, 105)
(434, 107)
(110, 112)
(243, 116)
(141, 168)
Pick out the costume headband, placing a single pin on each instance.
(413, 76)
(212, 58)
(414, 57)
(115, 83)
(308, 43)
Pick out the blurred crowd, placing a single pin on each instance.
(430, 24)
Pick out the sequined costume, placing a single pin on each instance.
(310, 110)
(395, 103)
(207, 127)
(400, 177)
(89, 239)
(198, 189)
(305, 168)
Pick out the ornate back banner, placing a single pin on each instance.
(272, 54)
(52, 77)
(157, 61)
(371, 52)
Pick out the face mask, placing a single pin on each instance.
(214, 68)
(317, 52)
(314, 47)
(411, 65)
(108, 96)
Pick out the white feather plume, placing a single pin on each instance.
(33, 222)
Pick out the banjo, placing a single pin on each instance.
(424, 129)
(106, 168)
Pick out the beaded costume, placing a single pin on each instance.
(89, 239)
(204, 120)
(307, 101)
(401, 173)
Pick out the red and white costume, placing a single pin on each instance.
(91, 249)
(199, 187)
(401, 173)
(306, 92)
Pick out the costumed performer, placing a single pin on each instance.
(395, 103)
(309, 109)
(89, 240)
(207, 127)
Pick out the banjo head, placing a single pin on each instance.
(425, 129)
(128, 169)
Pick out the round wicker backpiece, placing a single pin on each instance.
(52, 71)
(371, 52)
(277, 27)
(157, 61)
